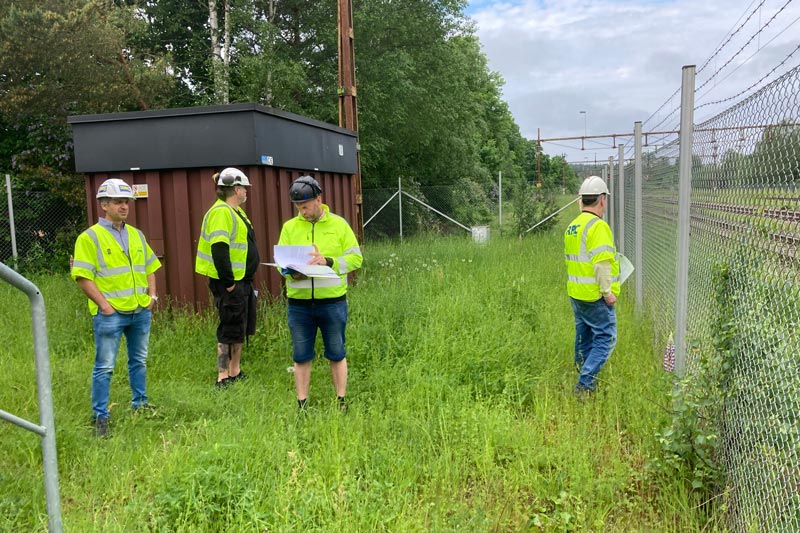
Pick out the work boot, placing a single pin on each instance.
(101, 427)
(582, 393)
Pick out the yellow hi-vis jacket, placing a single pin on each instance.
(121, 279)
(334, 238)
(587, 241)
(221, 224)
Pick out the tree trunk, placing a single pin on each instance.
(219, 55)
(271, 20)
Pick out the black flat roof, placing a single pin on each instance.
(211, 136)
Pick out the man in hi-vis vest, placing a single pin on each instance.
(228, 256)
(115, 267)
(318, 303)
(592, 283)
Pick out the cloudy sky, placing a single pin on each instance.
(620, 60)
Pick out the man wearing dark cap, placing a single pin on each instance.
(318, 303)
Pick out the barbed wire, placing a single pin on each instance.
(732, 35)
(756, 34)
(678, 90)
(717, 51)
(751, 87)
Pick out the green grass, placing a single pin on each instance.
(461, 413)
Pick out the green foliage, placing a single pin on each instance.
(59, 58)
(49, 214)
(698, 400)
(428, 105)
(530, 207)
(461, 413)
(471, 203)
(63, 57)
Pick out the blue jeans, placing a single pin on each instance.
(108, 330)
(331, 319)
(595, 338)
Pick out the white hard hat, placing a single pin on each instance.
(232, 176)
(592, 186)
(115, 188)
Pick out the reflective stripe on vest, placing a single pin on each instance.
(237, 243)
(334, 238)
(581, 281)
(120, 278)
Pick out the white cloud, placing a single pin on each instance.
(621, 59)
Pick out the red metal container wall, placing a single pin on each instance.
(171, 215)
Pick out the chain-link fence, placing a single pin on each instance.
(465, 207)
(742, 305)
(411, 209)
(38, 230)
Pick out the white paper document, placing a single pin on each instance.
(625, 268)
(296, 258)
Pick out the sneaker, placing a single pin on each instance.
(342, 404)
(241, 375)
(223, 383)
(302, 405)
(101, 427)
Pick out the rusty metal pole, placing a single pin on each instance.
(348, 110)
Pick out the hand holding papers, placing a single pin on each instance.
(296, 258)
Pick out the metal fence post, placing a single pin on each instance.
(637, 215)
(11, 222)
(604, 177)
(44, 388)
(500, 198)
(684, 206)
(400, 204)
(612, 197)
(621, 201)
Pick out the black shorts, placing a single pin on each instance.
(237, 311)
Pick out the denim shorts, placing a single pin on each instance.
(329, 318)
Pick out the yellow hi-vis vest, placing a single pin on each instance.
(588, 240)
(334, 238)
(221, 224)
(121, 279)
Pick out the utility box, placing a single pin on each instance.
(169, 157)
(480, 234)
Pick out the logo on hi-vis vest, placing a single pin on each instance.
(573, 229)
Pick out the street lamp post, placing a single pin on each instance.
(585, 129)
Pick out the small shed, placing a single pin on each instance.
(169, 157)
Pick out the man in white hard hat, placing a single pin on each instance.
(592, 283)
(227, 254)
(115, 267)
